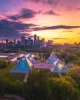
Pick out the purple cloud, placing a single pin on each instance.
(49, 2)
(50, 12)
(55, 27)
(78, 8)
(24, 14)
(13, 29)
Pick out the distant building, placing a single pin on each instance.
(19, 43)
(29, 42)
(35, 42)
(35, 39)
(7, 42)
(23, 40)
(38, 38)
(50, 42)
(43, 41)
(14, 42)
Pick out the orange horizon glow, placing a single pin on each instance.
(64, 12)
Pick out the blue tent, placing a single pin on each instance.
(22, 66)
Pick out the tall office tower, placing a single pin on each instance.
(10, 44)
(50, 42)
(6, 42)
(19, 43)
(38, 41)
(35, 39)
(38, 38)
(43, 41)
(23, 40)
(30, 42)
(14, 42)
(26, 42)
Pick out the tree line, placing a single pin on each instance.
(41, 85)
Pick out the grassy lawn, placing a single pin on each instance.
(16, 76)
(6, 70)
(12, 76)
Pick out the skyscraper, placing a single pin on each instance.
(43, 41)
(14, 42)
(38, 38)
(35, 39)
(29, 42)
(6, 42)
(23, 40)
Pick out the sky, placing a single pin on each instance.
(57, 20)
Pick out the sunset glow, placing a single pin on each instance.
(58, 20)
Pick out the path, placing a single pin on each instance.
(14, 96)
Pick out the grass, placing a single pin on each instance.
(12, 76)
(16, 76)
(6, 70)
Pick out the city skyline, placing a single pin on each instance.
(26, 42)
(56, 20)
(32, 37)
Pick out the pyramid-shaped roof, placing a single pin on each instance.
(52, 58)
(31, 59)
(22, 66)
(59, 67)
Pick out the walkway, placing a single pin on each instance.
(14, 96)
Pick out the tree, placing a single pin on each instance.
(18, 87)
(61, 89)
(54, 92)
(5, 64)
(71, 58)
(35, 88)
(75, 74)
(73, 82)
